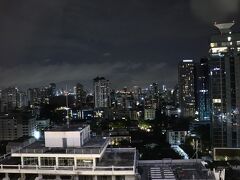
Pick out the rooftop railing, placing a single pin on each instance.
(18, 168)
(4, 156)
(80, 150)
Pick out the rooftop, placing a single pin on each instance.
(76, 127)
(114, 160)
(224, 27)
(177, 169)
(93, 146)
(118, 157)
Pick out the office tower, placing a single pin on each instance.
(34, 96)
(154, 90)
(101, 92)
(52, 89)
(186, 81)
(124, 99)
(80, 95)
(224, 66)
(46, 94)
(176, 98)
(137, 91)
(202, 95)
(154, 95)
(9, 99)
(21, 99)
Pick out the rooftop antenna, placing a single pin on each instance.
(67, 107)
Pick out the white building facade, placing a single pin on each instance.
(67, 159)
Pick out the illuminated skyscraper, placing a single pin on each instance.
(186, 81)
(203, 101)
(224, 66)
(101, 92)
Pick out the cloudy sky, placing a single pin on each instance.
(131, 42)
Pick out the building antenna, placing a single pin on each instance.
(67, 107)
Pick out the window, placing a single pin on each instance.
(217, 101)
(104, 177)
(219, 50)
(30, 161)
(226, 44)
(48, 161)
(65, 161)
(120, 177)
(213, 45)
(85, 162)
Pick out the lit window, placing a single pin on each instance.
(219, 50)
(217, 100)
(213, 45)
(226, 43)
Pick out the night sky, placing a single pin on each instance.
(131, 42)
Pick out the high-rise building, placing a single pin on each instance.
(37, 96)
(16, 125)
(34, 96)
(101, 92)
(224, 66)
(46, 94)
(52, 89)
(186, 81)
(80, 95)
(9, 99)
(154, 95)
(202, 95)
(21, 99)
(176, 97)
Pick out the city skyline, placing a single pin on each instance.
(72, 41)
(120, 90)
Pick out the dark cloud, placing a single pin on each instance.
(215, 10)
(132, 42)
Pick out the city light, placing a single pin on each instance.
(37, 134)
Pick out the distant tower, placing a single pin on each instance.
(52, 89)
(9, 99)
(101, 92)
(186, 81)
(203, 101)
(80, 96)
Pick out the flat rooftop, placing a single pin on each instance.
(10, 161)
(178, 169)
(123, 157)
(93, 146)
(75, 127)
(118, 157)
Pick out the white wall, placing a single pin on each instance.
(55, 139)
